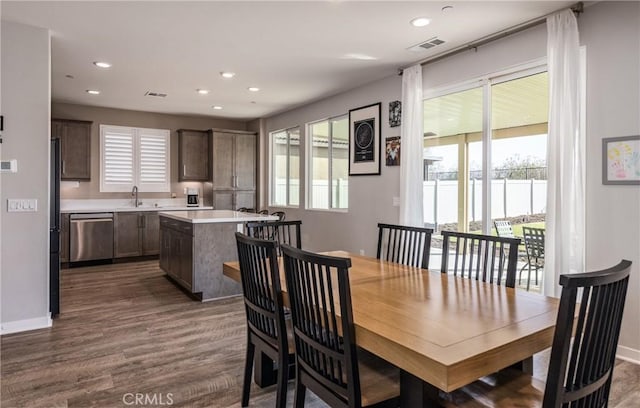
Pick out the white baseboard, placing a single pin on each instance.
(628, 354)
(25, 325)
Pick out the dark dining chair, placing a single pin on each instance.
(263, 212)
(280, 214)
(583, 351)
(534, 245)
(481, 257)
(283, 232)
(266, 327)
(327, 360)
(404, 245)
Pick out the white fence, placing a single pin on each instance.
(509, 198)
(319, 192)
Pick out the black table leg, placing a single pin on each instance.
(526, 365)
(264, 371)
(416, 393)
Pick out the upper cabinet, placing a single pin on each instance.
(194, 148)
(75, 148)
(234, 169)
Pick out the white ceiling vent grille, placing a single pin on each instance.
(156, 94)
(435, 41)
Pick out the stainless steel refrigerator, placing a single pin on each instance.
(54, 230)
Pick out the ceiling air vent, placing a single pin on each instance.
(156, 94)
(426, 45)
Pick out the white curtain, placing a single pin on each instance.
(564, 249)
(411, 148)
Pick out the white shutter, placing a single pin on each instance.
(134, 157)
(117, 158)
(153, 165)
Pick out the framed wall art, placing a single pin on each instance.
(392, 151)
(621, 160)
(395, 113)
(364, 140)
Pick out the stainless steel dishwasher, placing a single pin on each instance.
(91, 237)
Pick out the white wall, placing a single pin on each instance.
(610, 31)
(24, 263)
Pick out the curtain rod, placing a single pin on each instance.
(576, 8)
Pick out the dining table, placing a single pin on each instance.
(442, 331)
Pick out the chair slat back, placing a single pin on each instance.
(280, 214)
(322, 317)
(404, 245)
(534, 242)
(481, 257)
(261, 288)
(580, 370)
(283, 232)
(503, 228)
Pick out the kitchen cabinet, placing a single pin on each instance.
(75, 148)
(64, 238)
(194, 153)
(234, 169)
(136, 234)
(176, 256)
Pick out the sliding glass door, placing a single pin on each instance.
(485, 153)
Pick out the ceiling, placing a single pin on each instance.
(515, 103)
(294, 51)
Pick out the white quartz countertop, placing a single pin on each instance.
(213, 216)
(117, 205)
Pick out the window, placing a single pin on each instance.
(497, 124)
(329, 163)
(134, 157)
(285, 167)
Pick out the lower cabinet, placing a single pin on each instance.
(176, 256)
(136, 234)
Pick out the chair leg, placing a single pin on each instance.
(299, 393)
(283, 374)
(248, 368)
(529, 277)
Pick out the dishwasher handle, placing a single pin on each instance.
(91, 216)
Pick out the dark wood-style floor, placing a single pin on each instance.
(126, 330)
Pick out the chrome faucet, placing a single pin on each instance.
(134, 193)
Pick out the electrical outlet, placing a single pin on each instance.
(22, 205)
(362, 252)
(396, 201)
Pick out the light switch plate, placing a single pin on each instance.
(22, 205)
(396, 201)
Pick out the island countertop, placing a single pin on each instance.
(216, 216)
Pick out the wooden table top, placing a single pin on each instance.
(446, 330)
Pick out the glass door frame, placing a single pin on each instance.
(485, 82)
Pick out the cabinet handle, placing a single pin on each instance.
(184, 169)
(63, 168)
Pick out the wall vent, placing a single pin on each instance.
(156, 94)
(430, 43)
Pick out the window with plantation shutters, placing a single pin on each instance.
(134, 157)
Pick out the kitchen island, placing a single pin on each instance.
(194, 245)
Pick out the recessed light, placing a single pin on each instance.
(93, 92)
(203, 91)
(217, 107)
(253, 88)
(420, 22)
(102, 64)
(228, 74)
(69, 76)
